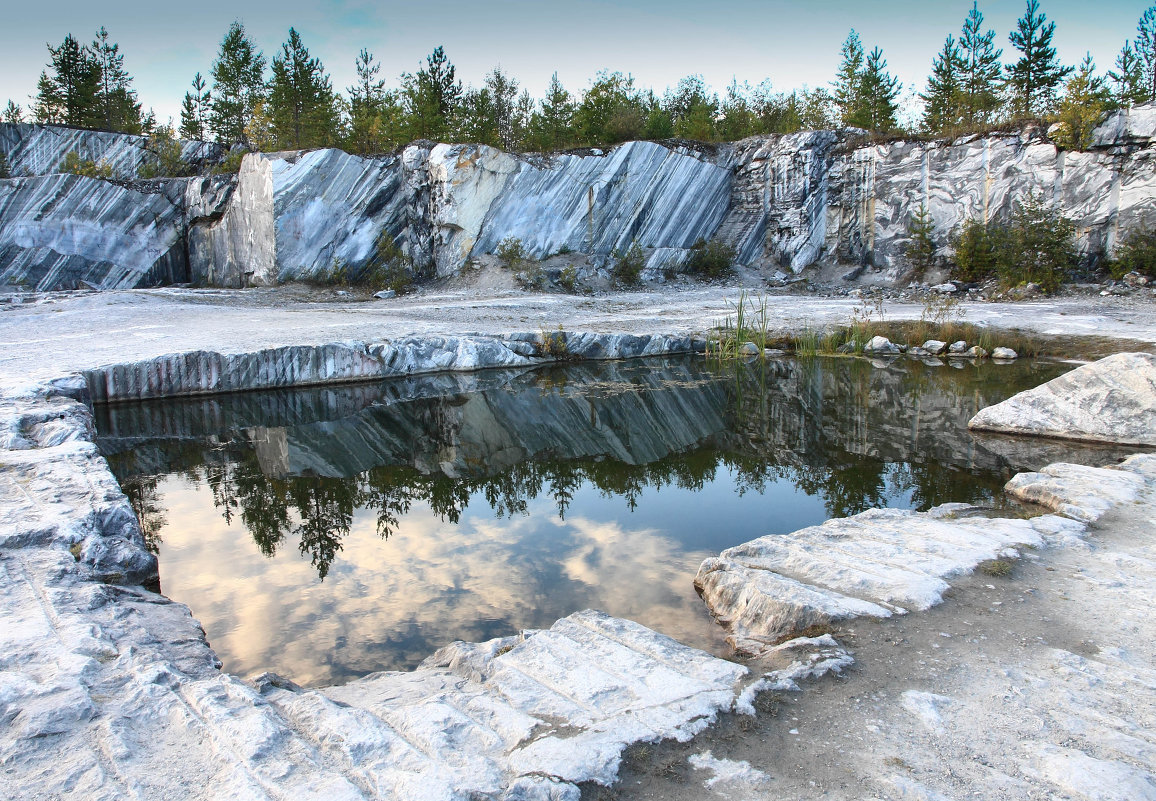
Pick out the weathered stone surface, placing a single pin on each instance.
(41, 149)
(875, 564)
(201, 372)
(780, 201)
(68, 231)
(1004, 354)
(934, 346)
(112, 691)
(1111, 400)
(664, 199)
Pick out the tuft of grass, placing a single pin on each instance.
(76, 549)
(997, 568)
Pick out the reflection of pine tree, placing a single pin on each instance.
(325, 507)
(142, 496)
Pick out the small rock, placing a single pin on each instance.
(1004, 353)
(340, 293)
(918, 351)
(385, 294)
(958, 347)
(945, 288)
(1135, 279)
(976, 352)
(880, 344)
(852, 275)
(934, 346)
(750, 349)
(846, 347)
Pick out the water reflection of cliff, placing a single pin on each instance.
(295, 466)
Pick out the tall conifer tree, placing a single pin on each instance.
(1146, 49)
(980, 71)
(1033, 79)
(942, 99)
(301, 100)
(238, 84)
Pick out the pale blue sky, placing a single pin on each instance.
(658, 41)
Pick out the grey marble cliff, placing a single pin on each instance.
(781, 201)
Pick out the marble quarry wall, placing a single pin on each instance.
(783, 202)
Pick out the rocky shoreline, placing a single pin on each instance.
(109, 689)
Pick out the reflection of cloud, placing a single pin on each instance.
(390, 603)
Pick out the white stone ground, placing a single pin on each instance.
(66, 332)
(108, 691)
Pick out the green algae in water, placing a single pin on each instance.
(332, 532)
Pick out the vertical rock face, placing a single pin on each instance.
(230, 228)
(664, 199)
(781, 201)
(65, 231)
(41, 150)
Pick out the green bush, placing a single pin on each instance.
(1036, 247)
(164, 155)
(1137, 254)
(4, 172)
(978, 249)
(511, 253)
(389, 267)
(710, 259)
(74, 164)
(231, 165)
(628, 266)
(568, 280)
(920, 249)
(1040, 248)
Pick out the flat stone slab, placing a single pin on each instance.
(875, 564)
(1111, 400)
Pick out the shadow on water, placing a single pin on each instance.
(515, 478)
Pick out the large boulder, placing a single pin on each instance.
(1112, 400)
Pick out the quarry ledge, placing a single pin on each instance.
(208, 372)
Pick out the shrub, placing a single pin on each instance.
(389, 267)
(628, 266)
(231, 163)
(920, 249)
(977, 250)
(1039, 248)
(568, 280)
(4, 171)
(710, 259)
(164, 155)
(511, 252)
(74, 164)
(1137, 254)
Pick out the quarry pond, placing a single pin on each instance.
(332, 532)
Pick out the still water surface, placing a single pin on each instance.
(329, 533)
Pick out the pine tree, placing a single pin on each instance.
(848, 80)
(301, 101)
(432, 97)
(195, 110)
(980, 72)
(116, 99)
(880, 91)
(1034, 78)
(70, 94)
(920, 250)
(1146, 49)
(1127, 79)
(13, 113)
(555, 128)
(503, 92)
(238, 84)
(1086, 97)
(366, 102)
(943, 98)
